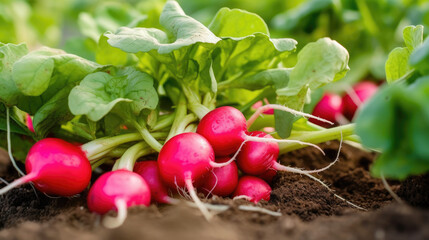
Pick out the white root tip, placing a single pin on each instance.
(197, 201)
(259, 209)
(115, 222)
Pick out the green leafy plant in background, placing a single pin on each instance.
(396, 120)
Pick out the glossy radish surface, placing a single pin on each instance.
(183, 161)
(115, 186)
(255, 158)
(329, 108)
(255, 189)
(55, 167)
(150, 173)
(362, 91)
(29, 122)
(221, 181)
(225, 128)
(187, 155)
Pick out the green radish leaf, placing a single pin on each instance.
(100, 92)
(396, 121)
(9, 54)
(237, 23)
(319, 63)
(397, 62)
(419, 59)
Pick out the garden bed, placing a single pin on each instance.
(309, 211)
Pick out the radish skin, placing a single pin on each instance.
(254, 189)
(221, 181)
(183, 161)
(150, 173)
(361, 92)
(329, 108)
(117, 190)
(55, 167)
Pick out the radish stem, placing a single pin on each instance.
(9, 147)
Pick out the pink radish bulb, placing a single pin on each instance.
(55, 167)
(253, 188)
(268, 176)
(115, 186)
(225, 128)
(329, 108)
(221, 181)
(362, 91)
(256, 158)
(150, 173)
(183, 161)
(29, 122)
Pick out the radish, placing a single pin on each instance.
(221, 181)
(117, 190)
(225, 128)
(55, 167)
(360, 93)
(150, 173)
(182, 162)
(256, 158)
(253, 189)
(329, 108)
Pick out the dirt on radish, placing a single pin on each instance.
(309, 211)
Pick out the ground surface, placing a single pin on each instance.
(309, 211)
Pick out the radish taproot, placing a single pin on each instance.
(329, 107)
(117, 190)
(184, 160)
(226, 127)
(253, 189)
(360, 93)
(221, 181)
(150, 173)
(55, 167)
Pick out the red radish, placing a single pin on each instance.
(29, 122)
(256, 158)
(221, 181)
(362, 91)
(117, 190)
(254, 189)
(268, 176)
(182, 162)
(149, 171)
(329, 108)
(55, 167)
(225, 128)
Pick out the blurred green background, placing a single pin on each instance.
(369, 29)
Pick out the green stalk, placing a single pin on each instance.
(318, 137)
(130, 156)
(194, 102)
(180, 114)
(149, 139)
(164, 123)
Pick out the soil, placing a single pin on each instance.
(308, 210)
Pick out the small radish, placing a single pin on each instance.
(268, 175)
(55, 167)
(361, 92)
(329, 108)
(29, 122)
(253, 189)
(150, 173)
(256, 158)
(182, 162)
(225, 128)
(221, 181)
(117, 190)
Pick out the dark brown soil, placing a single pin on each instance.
(309, 211)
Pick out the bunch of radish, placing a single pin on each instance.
(341, 110)
(208, 160)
